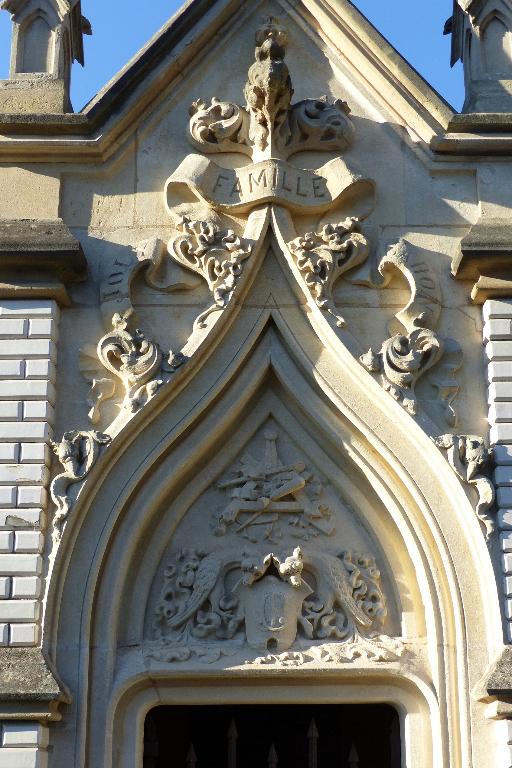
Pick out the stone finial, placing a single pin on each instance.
(47, 38)
(481, 33)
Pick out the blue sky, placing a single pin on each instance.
(121, 27)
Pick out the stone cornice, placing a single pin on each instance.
(38, 259)
(28, 688)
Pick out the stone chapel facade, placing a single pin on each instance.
(256, 396)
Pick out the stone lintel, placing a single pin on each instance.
(28, 688)
(486, 258)
(38, 258)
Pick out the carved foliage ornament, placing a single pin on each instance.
(471, 462)
(216, 254)
(268, 126)
(267, 601)
(322, 257)
(269, 129)
(77, 452)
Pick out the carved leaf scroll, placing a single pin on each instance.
(322, 257)
(133, 359)
(216, 254)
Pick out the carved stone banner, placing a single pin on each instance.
(269, 181)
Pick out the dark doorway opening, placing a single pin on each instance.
(273, 736)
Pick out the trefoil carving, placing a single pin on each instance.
(77, 452)
(471, 461)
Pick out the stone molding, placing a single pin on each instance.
(38, 258)
(485, 255)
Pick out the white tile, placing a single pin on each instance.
(497, 308)
(499, 391)
(21, 734)
(495, 350)
(25, 586)
(30, 517)
(24, 758)
(508, 608)
(4, 637)
(46, 348)
(505, 519)
(506, 561)
(9, 452)
(502, 454)
(25, 431)
(504, 496)
(6, 587)
(503, 475)
(32, 496)
(24, 634)
(6, 541)
(19, 610)
(7, 496)
(500, 412)
(506, 541)
(37, 410)
(14, 327)
(39, 453)
(28, 308)
(20, 565)
(23, 473)
(10, 410)
(28, 541)
(42, 328)
(501, 433)
(27, 389)
(496, 371)
(40, 369)
(498, 329)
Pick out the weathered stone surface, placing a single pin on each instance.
(41, 248)
(26, 676)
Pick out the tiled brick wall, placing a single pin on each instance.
(498, 348)
(28, 336)
(23, 745)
